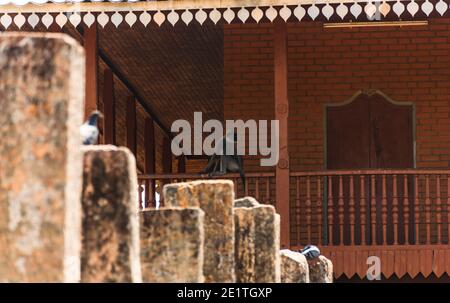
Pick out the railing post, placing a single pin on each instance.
(373, 210)
(383, 209)
(297, 209)
(341, 211)
(362, 209)
(319, 210)
(448, 209)
(308, 209)
(281, 114)
(438, 208)
(330, 211)
(395, 208)
(427, 209)
(406, 209)
(416, 210)
(352, 211)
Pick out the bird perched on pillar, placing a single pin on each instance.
(89, 130)
(310, 252)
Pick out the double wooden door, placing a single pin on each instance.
(369, 132)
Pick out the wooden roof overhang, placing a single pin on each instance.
(203, 11)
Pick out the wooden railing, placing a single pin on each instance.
(370, 207)
(400, 216)
(259, 185)
(357, 207)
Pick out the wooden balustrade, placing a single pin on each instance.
(259, 185)
(360, 207)
(371, 207)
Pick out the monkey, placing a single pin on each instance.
(221, 164)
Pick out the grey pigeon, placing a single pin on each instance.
(310, 252)
(89, 130)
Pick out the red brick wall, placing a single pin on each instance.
(248, 75)
(410, 64)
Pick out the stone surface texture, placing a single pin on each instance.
(215, 198)
(257, 244)
(320, 270)
(110, 247)
(172, 242)
(41, 101)
(294, 267)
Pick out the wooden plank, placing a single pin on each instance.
(389, 260)
(439, 262)
(400, 263)
(131, 125)
(361, 263)
(281, 114)
(350, 264)
(447, 261)
(413, 263)
(109, 108)
(426, 261)
(91, 69)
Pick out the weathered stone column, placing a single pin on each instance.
(320, 270)
(294, 267)
(215, 198)
(172, 242)
(41, 102)
(257, 246)
(110, 248)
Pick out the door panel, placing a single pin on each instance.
(374, 133)
(392, 142)
(348, 135)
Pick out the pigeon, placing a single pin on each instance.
(89, 130)
(310, 252)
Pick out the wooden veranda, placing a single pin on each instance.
(152, 62)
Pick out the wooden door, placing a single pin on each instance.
(370, 132)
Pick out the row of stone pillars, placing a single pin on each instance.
(70, 213)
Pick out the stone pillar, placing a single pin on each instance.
(294, 267)
(41, 101)
(110, 248)
(257, 246)
(172, 242)
(215, 198)
(320, 270)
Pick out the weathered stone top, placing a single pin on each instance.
(105, 148)
(187, 193)
(246, 202)
(296, 256)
